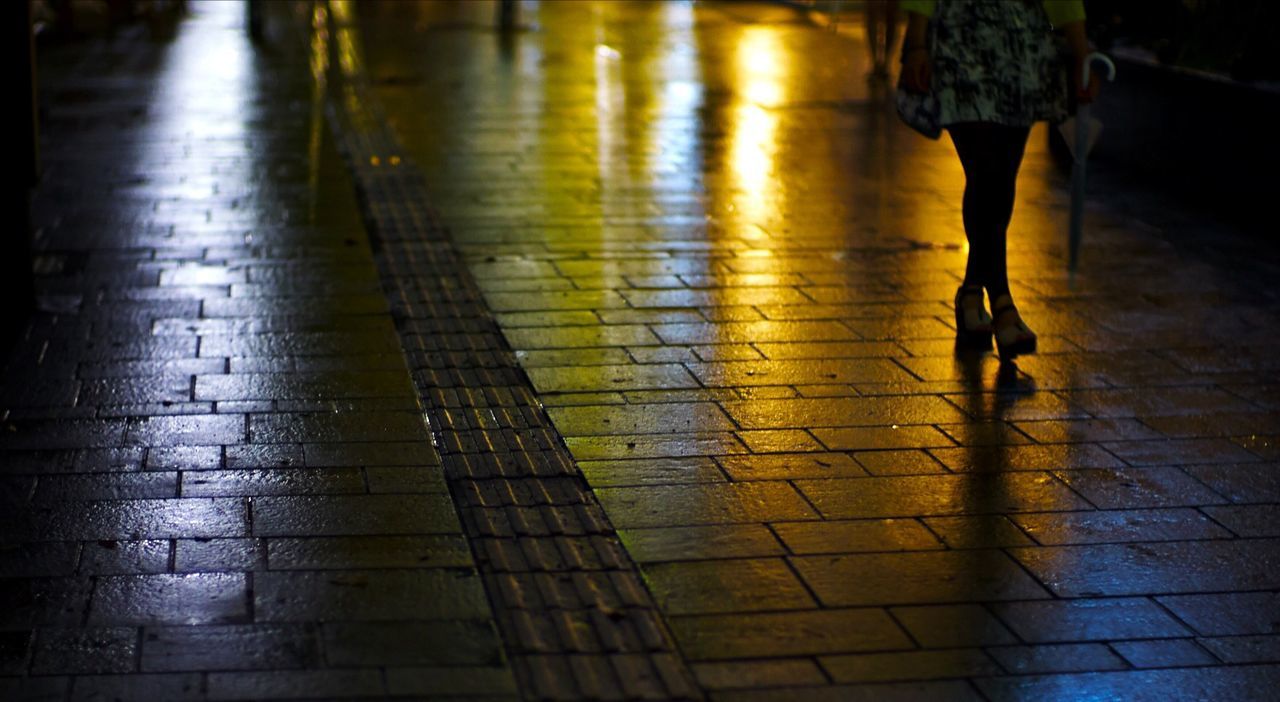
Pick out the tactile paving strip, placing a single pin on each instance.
(574, 614)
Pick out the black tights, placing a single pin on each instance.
(990, 154)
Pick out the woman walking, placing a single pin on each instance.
(991, 70)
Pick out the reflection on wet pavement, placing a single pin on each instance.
(216, 479)
(727, 271)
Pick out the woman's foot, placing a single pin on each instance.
(973, 324)
(1013, 336)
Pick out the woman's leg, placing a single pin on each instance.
(990, 155)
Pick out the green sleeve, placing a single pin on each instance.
(1063, 11)
(920, 7)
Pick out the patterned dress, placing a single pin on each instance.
(993, 61)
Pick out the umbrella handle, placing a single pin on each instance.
(1110, 68)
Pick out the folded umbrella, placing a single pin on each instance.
(1081, 132)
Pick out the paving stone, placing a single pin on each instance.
(1156, 402)
(592, 448)
(751, 332)
(296, 684)
(700, 543)
(613, 335)
(1163, 653)
(802, 372)
(864, 535)
(338, 553)
(1179, 452)
(229, 647)
(405, 479)
(779, 441)
(898, 462)
(915, 577)
(827, 349)
(756, 674)
(640, 419)
(1087, 430)
(382, 453)
(84, 651)
(411, 643)
(691, 505)
(1016, 406)
(698, 587)
(294, 386)
(1247, 520)
(1089, 620)
(170, 458)
(1242, 483)
(781, 634)
(212, 555)
(842, 412)
(311, 428)
(181, 367)
(1243, 683)
(368, 595)
(44, 602)
(651, 471)
(233, 483)
(34, 560)
(106, 486)
(1227, 613)
(929, 495)
(139, 519)
(1039, 457)
(1244, 649)
(871, 438)
(177, 687)
(910, 665)
(941, 689)
(1129, 569)
(982, 531)
(263, 456)
(112, 557)
(195, 430)
(604, 378)
(495, 682)
(40, 689)
(135, 390)
(1217, 424)
(63, 434)
(197, 598)
(789, 466)
(343, 515)
(987, 440)
(948, 626)
(1056, 658)
(1116, 526)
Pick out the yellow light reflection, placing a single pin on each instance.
(341, 11)
(761, 71)
(319, 87)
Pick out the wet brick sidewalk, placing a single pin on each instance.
(725, 271)
(217, 480)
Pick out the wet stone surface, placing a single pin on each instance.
(752, 364)
(199, 416)
(715, 258)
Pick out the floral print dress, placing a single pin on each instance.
(993, 61)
